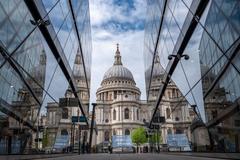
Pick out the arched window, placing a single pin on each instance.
(137, 114)
(106, 120)
(114, 132)
(114, 114)
(64, 132)
(214, 114)
(176, 119)
(106, 136)
(168, 113)
(65, 113)
(127, 132)
(126, 113)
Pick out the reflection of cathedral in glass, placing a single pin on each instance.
(209, 80)
(178, 119)
(60, 124)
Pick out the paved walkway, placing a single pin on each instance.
(30, 157)
(210, 155)
(141, 156)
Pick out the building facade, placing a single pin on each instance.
(198, 42)
(39, 43)
(59, 116)
(178, 120)
(120, 110)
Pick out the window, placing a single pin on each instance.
(176, 119)
(85, 135)
(214, 114)
(179, 131)
(106, 136)
(114, 132)
(127, 132)
(65, 113)
(126, 113)
(237, 123)
(115, 94)
(64, 132)
(114, 114)
(168, 113)
(106, 120)
(137, 114)
(169, 95)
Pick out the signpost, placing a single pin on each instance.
(159, 119)
(79, 132)
(68, 102)
(78, 119)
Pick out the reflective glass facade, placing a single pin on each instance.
(207, 32)
(39, 42)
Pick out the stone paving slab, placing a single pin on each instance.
(141, 156)
(209, 154)
(30, 157)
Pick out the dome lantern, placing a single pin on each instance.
(118, 70)
(117, 57)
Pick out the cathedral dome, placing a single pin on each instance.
(78, 69)
(158, 70)
(118, 70)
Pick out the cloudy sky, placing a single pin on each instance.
(115, 22)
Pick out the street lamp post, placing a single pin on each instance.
(79, 134)
(122, 117)
(92, 123)
(158, 139)
(103, 122)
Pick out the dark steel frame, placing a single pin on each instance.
(38, 11)
(156, 46)
(223, 70)
(79, 42)
(197, 7)
(92, 125)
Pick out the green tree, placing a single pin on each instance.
(138, 136)
(155, 138)
(45, 138)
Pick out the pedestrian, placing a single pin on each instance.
(109, 148)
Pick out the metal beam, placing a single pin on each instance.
(223, 70)
(197, 7)
(79, 43)
(156, 46)
(228, 112)
(5, 54)
(7, 109)
(38, 11)
(92, 125)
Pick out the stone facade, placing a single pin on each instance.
(174, 107)
(60, 117)
(120, 109)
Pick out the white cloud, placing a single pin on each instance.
(104, 41)
(102, 11)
